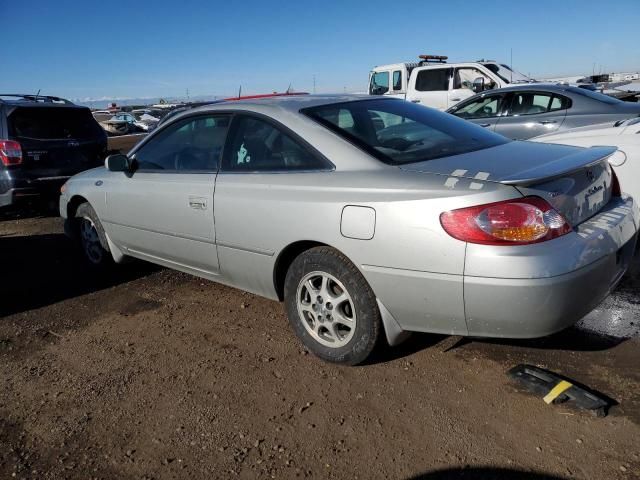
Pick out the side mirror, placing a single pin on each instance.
(478, 85)
(118, 163)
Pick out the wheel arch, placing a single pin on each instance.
(73, 204)
(286, 257)
(391, 328)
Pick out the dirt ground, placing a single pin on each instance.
(151, 374)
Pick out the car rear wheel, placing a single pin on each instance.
(92, 237)
(331, 307)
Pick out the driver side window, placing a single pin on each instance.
(464, 78)
(379, 83)
(484, 107)
(191, 145)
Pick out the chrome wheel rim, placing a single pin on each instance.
(90, 240)
(326, 309)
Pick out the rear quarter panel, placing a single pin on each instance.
(411, 263)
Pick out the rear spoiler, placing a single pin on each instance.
(581, 159)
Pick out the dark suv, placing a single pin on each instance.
(44, 140)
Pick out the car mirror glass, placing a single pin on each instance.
(118, 163)
(478, 85)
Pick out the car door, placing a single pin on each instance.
(531, 113)
(483, 110)
(163, 211)
(264, 167)
(429, 86)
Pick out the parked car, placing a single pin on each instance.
(525, 111)
(625, 135)
(44, 140)
(435, 83)
(123, 123)
(367, 216)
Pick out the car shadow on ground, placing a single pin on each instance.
(572, 339)
(414, 344)
(484, 473)
(40, 270)
(42, 208)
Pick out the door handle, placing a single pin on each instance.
(547, 122)
(415, 101)
(456, 99)
(485, 125)
(198, 203)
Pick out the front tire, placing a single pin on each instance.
(331, 307)
(92, 238)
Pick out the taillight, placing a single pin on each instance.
(616, 191)
(512, 222)
(10, 152)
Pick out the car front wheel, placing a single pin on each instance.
(92, 237)
(331, 307)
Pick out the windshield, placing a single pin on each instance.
(601, 97)
(399, 132)
(507, 74)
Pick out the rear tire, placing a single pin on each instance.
(92, 239)
(331, 307)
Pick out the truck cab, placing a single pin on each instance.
(435, 83)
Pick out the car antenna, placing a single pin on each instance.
(240, 91)
(38, 94)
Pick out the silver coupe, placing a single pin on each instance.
(369, 218)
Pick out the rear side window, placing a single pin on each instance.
(531, 103)
(258, 146)
(399, 132)
(51, 123)
(379, 83)
(191, 145)
(433, 80)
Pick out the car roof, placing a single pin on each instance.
(292, 103)
(16, 99)
(539, 87)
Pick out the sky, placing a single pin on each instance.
(88, 49)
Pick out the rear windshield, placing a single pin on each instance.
(601, 97)
(399, 132)
(45, 123)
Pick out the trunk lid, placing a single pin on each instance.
(57, 141)
(576, 181)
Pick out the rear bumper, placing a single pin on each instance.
(16, 195)
(530, 308)
(516, 291)
(14, 190)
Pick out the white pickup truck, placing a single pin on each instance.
(435, 83)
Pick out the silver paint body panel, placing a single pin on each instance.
(424, 279)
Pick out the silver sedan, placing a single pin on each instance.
(521, 112)
(370, 218)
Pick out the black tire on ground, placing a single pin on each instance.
(361, 340)
(91, 237)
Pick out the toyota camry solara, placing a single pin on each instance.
(369, 218)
